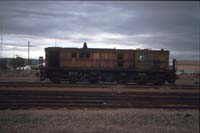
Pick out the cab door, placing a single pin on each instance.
(53, 59)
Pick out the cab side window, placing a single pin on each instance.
(84, 55)
(81, 55)
(144, 57)
(87, 55)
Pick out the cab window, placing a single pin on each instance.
(87, 55)
(143, 57)
(81, 55)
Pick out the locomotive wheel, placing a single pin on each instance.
(122, 81)
(142, 79)
(122, 78)
(159, 81)
(92, 78)
(141, 83)
(171, 82)
(72, 81)
(55, 77)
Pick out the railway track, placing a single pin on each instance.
(23, 99)
(101, 85)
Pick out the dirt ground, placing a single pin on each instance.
(99, 121)
(188, 79)
(19, 76)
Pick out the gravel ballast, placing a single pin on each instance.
(99, 121)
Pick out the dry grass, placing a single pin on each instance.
(99, 121)
(188, 79)
(20, 76)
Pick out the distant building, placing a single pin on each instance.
(24, 68)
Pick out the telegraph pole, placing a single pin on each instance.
(13, 53)
(1, 51)
(28, 52)
(55, 42)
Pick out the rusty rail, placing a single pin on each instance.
(84, 85)
(17, 99)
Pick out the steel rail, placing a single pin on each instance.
(84, 85)
(15, 99)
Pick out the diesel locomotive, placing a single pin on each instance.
(96, 65)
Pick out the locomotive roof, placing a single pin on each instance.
(102, 49)
(85, 48)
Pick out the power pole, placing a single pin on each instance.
(1, 51)
(28, 52)
(55, 42)
(13, 53)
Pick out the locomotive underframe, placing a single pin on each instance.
(72, 75)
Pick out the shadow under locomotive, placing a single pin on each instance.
(107, 65)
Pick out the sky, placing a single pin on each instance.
(174, 26)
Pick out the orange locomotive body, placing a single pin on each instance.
(108, 65)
